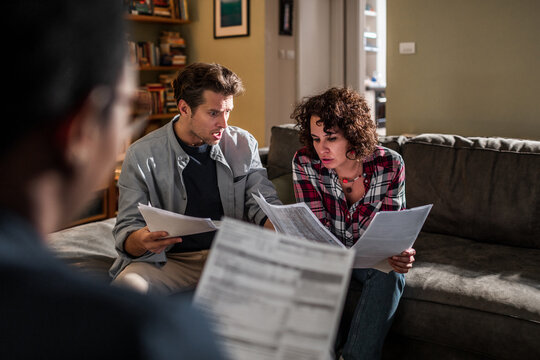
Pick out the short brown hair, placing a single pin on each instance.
(343, 109)
(191, 82)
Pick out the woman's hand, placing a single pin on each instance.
(403, 262)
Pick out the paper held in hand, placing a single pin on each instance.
(173, 223)
(271, 295)
(388, 234)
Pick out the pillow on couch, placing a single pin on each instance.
(89, 247)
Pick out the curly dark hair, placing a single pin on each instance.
(339, 109)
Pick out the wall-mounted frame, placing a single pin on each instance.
(285, 17)
(231, 18)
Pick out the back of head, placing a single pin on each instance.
(198, 77)
(59, 50)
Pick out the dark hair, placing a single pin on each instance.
(59, 51)
(191, 82)
(343, 109)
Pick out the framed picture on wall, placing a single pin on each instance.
(285, 17)
(231, 18)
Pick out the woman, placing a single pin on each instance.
(345, 178)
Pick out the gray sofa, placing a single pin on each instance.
(474, 292)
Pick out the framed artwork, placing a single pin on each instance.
(285, 17)
(231, 18)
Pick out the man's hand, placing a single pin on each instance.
(142, 240)
(268, 224)
(402, 263)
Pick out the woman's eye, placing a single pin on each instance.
(316, 140)
(332, 139)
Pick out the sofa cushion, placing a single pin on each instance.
(90, 247)
(485, 189)
(479, 297)
(440, 331)
(492, 278)
(284, 143)
(392, 142)
(284, 188)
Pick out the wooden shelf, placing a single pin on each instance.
(161, 116)
(156, 19)
(161, 68)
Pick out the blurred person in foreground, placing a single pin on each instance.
(345, 178)
(67, 109)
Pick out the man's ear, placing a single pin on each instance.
(184, 108)
(82, 130)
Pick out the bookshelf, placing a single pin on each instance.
(143, 28)
(158, 54)
(156, 19)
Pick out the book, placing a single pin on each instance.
(140, 7)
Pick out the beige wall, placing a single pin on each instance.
(280, 69)
(243, 55)
(476, 71)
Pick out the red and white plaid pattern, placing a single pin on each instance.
(321, 190)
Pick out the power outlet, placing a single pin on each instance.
(407, 48)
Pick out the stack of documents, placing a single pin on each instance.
(274, 295)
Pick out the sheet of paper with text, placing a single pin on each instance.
(271, 295)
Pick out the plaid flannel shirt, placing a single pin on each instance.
(320, 189)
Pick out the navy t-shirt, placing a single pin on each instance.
(200, 180)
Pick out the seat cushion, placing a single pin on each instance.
(494, 278)
(472, 296)
(90, 247)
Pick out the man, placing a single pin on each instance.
(195, 165)
(74, 89)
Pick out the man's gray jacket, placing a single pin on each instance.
(152, 172)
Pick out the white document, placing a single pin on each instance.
(297, 220)
(173, 223)
(273, 296)
(388, 234)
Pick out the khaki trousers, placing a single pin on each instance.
(181, 272)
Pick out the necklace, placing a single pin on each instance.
(346, 181)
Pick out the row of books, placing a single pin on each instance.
(173, 48)
(171, 51)
(162, 95)
(177, 9)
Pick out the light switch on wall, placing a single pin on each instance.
(290, 54)
(407, 48)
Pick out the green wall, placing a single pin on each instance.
(476, 71)
(243, 55)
